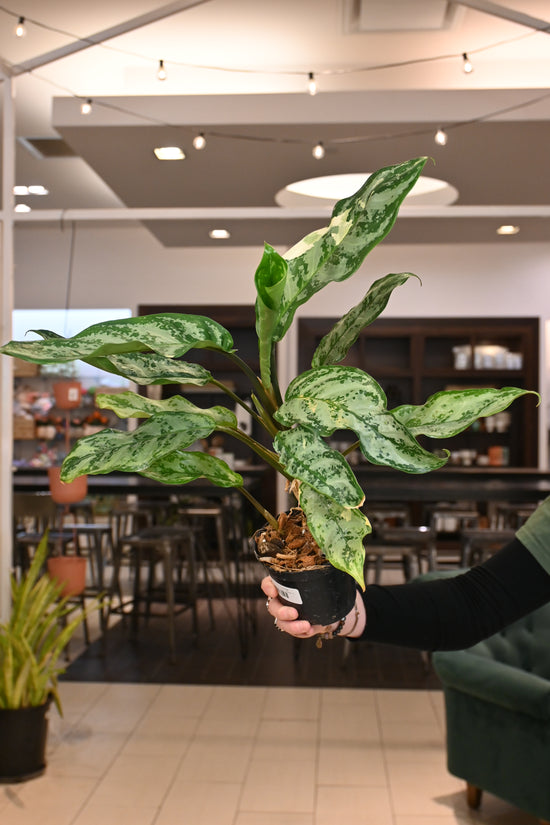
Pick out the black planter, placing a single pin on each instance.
(321, 595)
(23, 735)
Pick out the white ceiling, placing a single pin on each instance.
(389, 73)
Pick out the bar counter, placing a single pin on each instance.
(379, 483)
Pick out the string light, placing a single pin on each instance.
(466, 65)
(311, 84)
(86, 107)
(161, 72)
(318, 151)
(199, 142)
(20, 30)
(440, 137)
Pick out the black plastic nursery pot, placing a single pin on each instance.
(321, 595)
(23, 736)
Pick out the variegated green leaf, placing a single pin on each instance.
(131, 405)
(150, 368)
(449, 412)
(270, 281)
(334, 397)
(307, 457)
(334, 347)
(111, 450)
(169, 334)
(339, 532)
(335, 252)
(181, 467)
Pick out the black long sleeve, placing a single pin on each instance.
(455, 613)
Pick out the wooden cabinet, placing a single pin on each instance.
(413, 358)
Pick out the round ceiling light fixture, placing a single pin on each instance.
(326, 190)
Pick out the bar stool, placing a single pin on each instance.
(411, 544)
(478, 545)
(195, 515)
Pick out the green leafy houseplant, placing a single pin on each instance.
(34, 637)
(326, 398)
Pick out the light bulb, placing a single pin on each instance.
(86, 107)
(507, 229)
(311, 84)
(440, 137)
(161, 73)
(318, 151)
(199, 142)
(20, 30)
(219, 234)
(466, 66)
(22, 207)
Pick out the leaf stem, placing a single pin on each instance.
(266, 455)
(271, 520)
(351, 448)
(238, 400)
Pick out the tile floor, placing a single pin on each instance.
(208, 755)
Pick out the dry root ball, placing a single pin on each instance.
(291, 546)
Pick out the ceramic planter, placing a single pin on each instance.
(23, 735)
(66, 493)
(70, 571)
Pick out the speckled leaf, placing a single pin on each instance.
(169, 334)
(334, 347)
(150, 368)
(335, 397)
(451, 411)
(335, 252)
(307, 457)
(339, 532)
(181, 467)
(269, 280)
(131, 405)
(134, 451)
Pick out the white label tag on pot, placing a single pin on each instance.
(289, 593)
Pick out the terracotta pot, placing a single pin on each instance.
(70, 571)
(67, 394)
(66, 493)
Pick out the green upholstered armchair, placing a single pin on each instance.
(497, 702)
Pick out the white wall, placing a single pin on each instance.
(124, 265)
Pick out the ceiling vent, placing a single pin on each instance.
(370, 16)
(42, 148)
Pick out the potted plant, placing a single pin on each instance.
(40, 626)
(328, 397)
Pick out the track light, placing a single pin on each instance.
(86, 107)
(199, 141)
(440, 137)
(318, 151)
(311, 84)
(161, 72)
(20, 30)
(466, 65)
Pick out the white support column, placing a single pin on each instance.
(6, 369)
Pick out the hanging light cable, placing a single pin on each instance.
(311, 84)
(467, 67)
(161, 71)
(440, 137)
(318, 151)
(20, 30)
(199, 141)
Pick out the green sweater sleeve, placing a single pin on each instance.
(535, 534)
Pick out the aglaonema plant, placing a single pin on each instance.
(328, 397)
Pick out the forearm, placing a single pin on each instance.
(455, 613)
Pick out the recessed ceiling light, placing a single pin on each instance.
(219, 234)
(22, 207)
(20, 190)
(327, 189)
(507, 229)
(38, 189)
(169, 153)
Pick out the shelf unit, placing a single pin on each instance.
(413, 358)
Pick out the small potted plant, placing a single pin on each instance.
(40, 626)
(299, 420)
